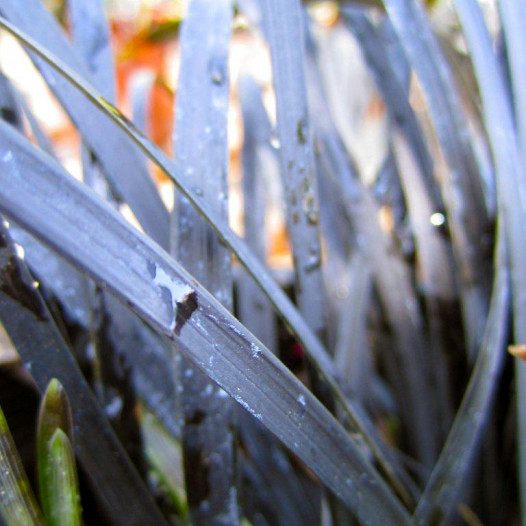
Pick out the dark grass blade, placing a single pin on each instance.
(140, 87)
(64, 283)
(18, 506)
(152, 368)
(384, 57)
(127, 171)
(435, 280)
(67, 216)
(283, 22)
(91, 37)
(276, 472)
(413, 168)
(392, 276)
(447, 481)
(40, 345)
(513, 19)
(510, 178)
(43, 141)
(461, 188)
(352, 353)
(201, 151)
(260, 170)
(330, 155)
(312, 346)
(259, 167)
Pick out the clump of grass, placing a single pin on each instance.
(209, 387)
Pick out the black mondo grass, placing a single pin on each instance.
(294, 308)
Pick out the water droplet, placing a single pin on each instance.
(209, 389)
(198, 191)
(342, 292)
(301, 131)
(114, 408)
(217, 69)
(313, 263)
(274, 140)
(364, 478)
(301, 400)
(222, 393)
(314, 249)
(19, 250)
(310, 210)
(437, 219)
(7, 156)
(188, 373)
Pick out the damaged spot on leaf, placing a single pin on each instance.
(185, 309)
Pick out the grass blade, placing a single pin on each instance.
(165, 456)
(17, 503)
(55, 413)
(65, 215)
(283, 23)
(443, 489)
(201, 151)
(392, 277)
(64, 499)
(461, 188)
(57, 474)
(375, 43)
(510, 179)
(259, 162)
(91, 37)
(513, 18)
